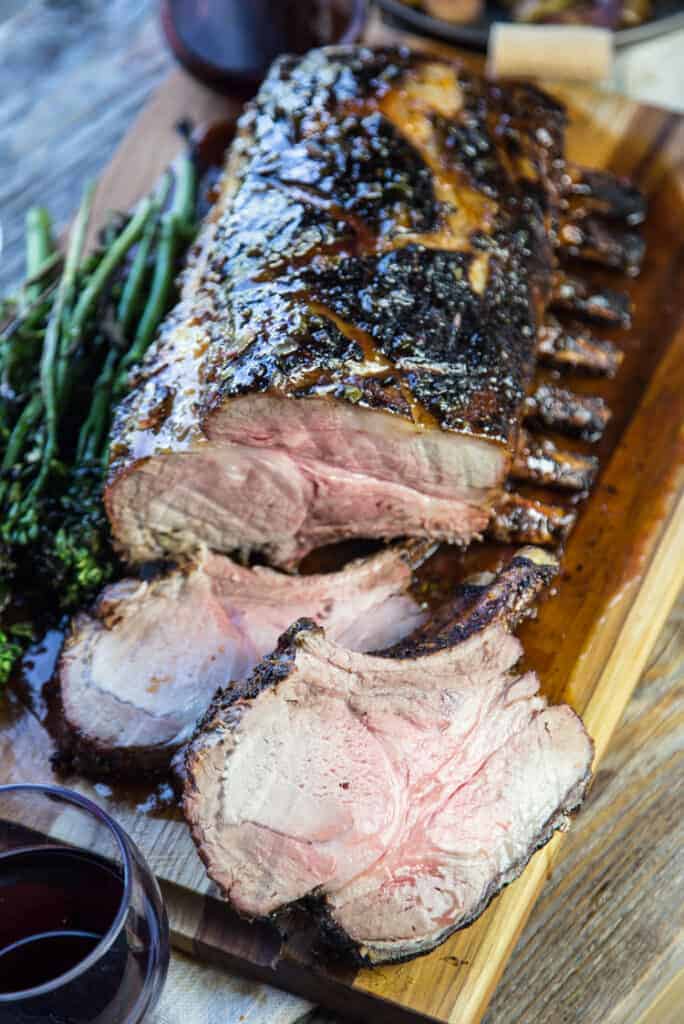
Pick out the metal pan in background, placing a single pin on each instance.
(668, 16)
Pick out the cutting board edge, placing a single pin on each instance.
(670, 542)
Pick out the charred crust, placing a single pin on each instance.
(78, 752)
(507, 598)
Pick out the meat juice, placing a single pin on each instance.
(56, 904)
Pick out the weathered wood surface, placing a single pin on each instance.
(72, 77)
(605, 940)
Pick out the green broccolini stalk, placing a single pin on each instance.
(176, 224)
(48, 381)
(111, 259)
(39, 248)
(132, 291)
(67, 340)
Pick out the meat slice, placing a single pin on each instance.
(139, 671)
(396, 794)
(357, 327)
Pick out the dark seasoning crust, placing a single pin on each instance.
(335, 271)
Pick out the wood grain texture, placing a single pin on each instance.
(569, 964)
(73, 75)
(612, 910)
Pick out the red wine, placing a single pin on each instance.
(229, 44)
(56, 905)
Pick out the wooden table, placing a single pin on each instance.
(606, 940)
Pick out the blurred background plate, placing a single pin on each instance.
(668, 15)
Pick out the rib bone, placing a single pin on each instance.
(598, 241)
(539, 461)
(576, 349)
(582, 416)
(507, 596)
(574, 295)
(600, 192)
(518, 520)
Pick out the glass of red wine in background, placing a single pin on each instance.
(84, 936)
(230, 44)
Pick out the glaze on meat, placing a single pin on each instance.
(357, 329)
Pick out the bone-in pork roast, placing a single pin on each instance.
(142, 667)
(358, 323)
(395, 794)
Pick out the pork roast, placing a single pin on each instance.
(139, 671)
(358, 322)
(394, 795)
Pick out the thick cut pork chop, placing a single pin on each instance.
(137, 673)
(358, 323)
(399, 793)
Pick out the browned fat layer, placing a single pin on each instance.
(409, 108)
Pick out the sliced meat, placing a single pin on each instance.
(138, 672)
(397, 795)
(357, 328)
(584, 416)
(539, 461)
(573, 348)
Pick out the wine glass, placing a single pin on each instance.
(84, 935)
(229, 44)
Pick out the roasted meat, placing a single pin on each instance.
(139, 671)
(357, 329)
(395, 794)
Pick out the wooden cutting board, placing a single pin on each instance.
(622, 569)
